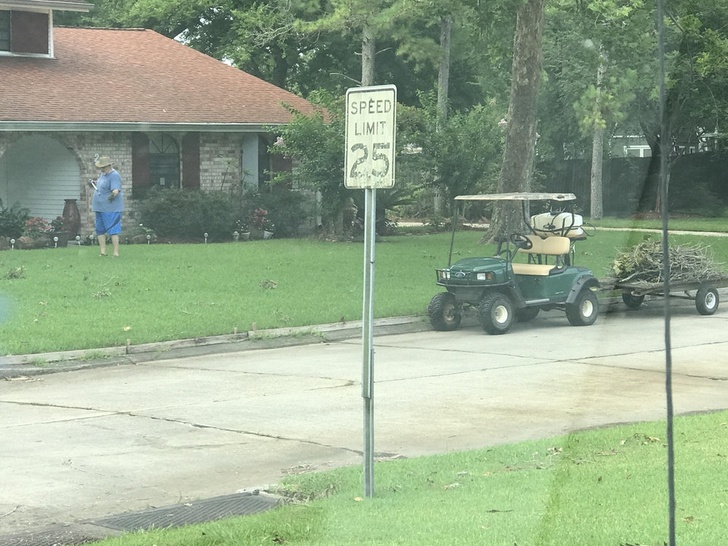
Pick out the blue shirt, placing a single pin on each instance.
(105, 184)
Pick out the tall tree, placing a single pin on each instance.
(521, 134)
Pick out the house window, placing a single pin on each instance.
(24, 32)
(4, 31)
(163, 161)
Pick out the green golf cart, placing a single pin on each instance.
(532, 271)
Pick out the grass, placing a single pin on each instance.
(71, 298)
(601, 487)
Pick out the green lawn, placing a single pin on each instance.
(70, 298)
(603, 487)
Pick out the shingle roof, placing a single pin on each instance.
(135, 76)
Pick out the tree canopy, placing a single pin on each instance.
(453, 64)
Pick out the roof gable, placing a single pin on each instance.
(135, 76)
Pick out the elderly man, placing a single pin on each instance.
(108, 204)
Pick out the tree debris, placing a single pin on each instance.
(642, 264)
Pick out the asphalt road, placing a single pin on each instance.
(89, 443)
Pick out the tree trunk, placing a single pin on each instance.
(443, 78)
(443, 85)
(596, 208)
(597, 194)
(368, 50)
(280, 67)
(518, 156)
(649, 194)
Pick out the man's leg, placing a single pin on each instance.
(102, 244)
(115, 244)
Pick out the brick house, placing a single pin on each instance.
(168, 115)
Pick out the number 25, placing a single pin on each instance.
(376, 156)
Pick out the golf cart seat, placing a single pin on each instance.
(558, 224)
(540, 250)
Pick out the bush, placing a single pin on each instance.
(189, 214)
(37, 227)
(285, 210)
(12, 220)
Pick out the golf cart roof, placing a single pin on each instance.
(519, 196)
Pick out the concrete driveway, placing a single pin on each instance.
(85, 444)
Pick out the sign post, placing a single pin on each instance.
(370, 153)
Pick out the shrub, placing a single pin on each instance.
(189, 213)
(37, 227)
(286, 210)
(12, 220)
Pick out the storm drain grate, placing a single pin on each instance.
(239, 504)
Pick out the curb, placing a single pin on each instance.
(19, 366)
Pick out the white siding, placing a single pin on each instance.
(38, 172)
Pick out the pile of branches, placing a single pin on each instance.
(642, 264)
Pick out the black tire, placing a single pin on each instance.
(707, 300)
(444, 312)
(632, 301)
(527, 314)
(584, 310)
(495, 312)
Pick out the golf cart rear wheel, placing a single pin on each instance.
(444, 312)
(632, 301)
(495, 312)
(584, 310)
(707, 300)
(527, 314)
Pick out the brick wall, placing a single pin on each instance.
(220, 163)
(220, 156)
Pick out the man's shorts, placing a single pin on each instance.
(108, 223)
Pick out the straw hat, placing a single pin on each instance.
(103, 162)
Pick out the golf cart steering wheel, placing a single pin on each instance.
(521, 241)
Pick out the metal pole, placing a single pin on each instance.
(663, 191)
(367, 383)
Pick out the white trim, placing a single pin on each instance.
(35, 5)
(50, 34)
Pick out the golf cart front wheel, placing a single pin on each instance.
(707, 300)
(444, 312)
(584, 310)
(495, 312)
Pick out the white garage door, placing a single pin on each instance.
(38, 173)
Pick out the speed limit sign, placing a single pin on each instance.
(370, 137)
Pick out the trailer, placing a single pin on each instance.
(703, 292)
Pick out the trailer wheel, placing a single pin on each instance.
(444, 312)
(632, 301)
(584, 311)
(495, 312)
(707, 300)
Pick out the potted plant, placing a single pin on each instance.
(260, 224)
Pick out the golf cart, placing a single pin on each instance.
(532, 270)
